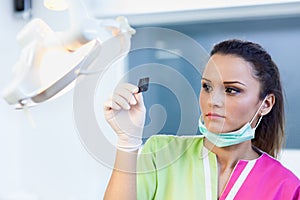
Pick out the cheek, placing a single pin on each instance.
(238, 113)
(202, 101)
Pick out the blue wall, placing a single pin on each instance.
(280, 37)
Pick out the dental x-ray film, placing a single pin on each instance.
(143, 84)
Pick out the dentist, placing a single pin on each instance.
(242, 122)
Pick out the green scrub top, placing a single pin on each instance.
(174, 167)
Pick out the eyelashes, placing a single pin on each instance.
(230, 90)
(206, 87)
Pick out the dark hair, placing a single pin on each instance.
(269, 135)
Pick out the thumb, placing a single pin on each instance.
(140, 101)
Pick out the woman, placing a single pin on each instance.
(242, 120)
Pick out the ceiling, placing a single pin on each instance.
(145, 12)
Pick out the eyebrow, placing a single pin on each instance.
(206, 79)
(233, 82)
(227, 82)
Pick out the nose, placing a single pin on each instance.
(216, 99)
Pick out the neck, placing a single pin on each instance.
(229, 156)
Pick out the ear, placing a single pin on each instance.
(267, 105)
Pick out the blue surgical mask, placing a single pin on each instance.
(230, 138)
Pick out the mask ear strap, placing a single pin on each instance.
(257, 112)
(260, 118)
(201, 119)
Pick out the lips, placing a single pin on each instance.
(214, 115)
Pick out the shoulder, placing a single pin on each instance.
(278, 172)
(158, 142)
(160, 151)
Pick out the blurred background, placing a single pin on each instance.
(49, 162)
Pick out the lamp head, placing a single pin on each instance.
(47, 66)
(51, 61)
(57, 5)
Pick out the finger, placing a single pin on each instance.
(140, 100)
(126, 90)
(111, 105)
(130, 87)
(109, 109)
(120, 101)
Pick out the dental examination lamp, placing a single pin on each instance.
(51, 61)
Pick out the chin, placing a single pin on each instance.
(216, 129)
(217, 126)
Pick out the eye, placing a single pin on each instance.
(207, 87)
(232, 90)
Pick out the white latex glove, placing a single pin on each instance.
(125, 112)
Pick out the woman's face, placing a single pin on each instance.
(229, 93)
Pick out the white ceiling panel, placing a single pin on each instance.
(145, 12)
